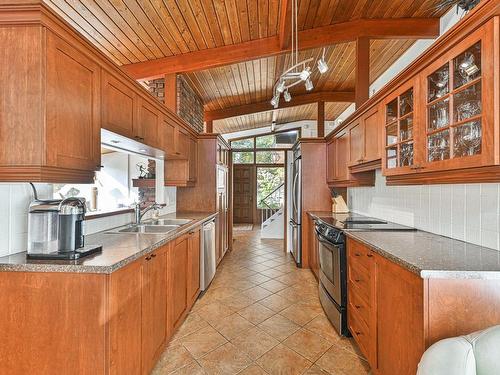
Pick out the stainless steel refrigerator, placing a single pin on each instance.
(296, 212)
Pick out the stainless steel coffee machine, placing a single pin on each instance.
(55, 229)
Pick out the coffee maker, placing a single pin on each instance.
(55, 229)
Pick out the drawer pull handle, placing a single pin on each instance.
(357, 280)
(148, 258)
(357, 306)
(357, 254)
(369, 255)
(153, 255)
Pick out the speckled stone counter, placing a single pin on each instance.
(430, 255)
(118, 250)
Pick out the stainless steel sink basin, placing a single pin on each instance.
(177, 222)
(146, 229)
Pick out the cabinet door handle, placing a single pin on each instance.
(369, 255)
(357, 306)
(357, 254)
(357, 280)
(148, 258)
(191, 233)
(359, 333)
(153, 255)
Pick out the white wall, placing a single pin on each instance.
(467, 212)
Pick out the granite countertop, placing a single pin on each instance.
(430, 255)
(118, 249)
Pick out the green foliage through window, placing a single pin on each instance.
(268, 180)
(243, 157)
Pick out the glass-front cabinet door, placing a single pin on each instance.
(399, 130)
(458, 106)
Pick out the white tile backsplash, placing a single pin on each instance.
(468, 212)
(14, 204)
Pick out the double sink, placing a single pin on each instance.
(152, 226)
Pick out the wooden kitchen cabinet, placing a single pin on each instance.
(154, 307)
(125, 320)
(167, 134)
(394, 315)
(330, 161)
(119, 106)
(401, 117)
(341, 157)
(364, 142)
(458, 101)
(193, 284)
(50, 132)
(211, 192)
(148, 121)
(178, 272)
(181, 166)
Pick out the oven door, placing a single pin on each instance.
(330, 264)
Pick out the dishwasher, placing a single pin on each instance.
(207, 255)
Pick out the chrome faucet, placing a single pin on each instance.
(139, 214)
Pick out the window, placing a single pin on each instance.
(243, 157)
(277, 140)
(263, 149)
(113, 188)
(242, 143)
(270, 157)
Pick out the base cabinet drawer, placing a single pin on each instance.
(360, 332)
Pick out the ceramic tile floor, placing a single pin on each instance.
(261, 315)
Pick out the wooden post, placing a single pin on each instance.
(209, 126)
(171, 91)
(321, 119)
(362, 71)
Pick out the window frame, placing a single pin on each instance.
(256, 149)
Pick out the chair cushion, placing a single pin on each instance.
(449, 356)
(474, 354)
(486, 346)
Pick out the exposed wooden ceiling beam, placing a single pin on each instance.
(393, 28)
(285, 25)
(324, 96)
(362, 71)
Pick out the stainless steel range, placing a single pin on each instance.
(332, 257)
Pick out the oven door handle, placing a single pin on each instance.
(324, 240)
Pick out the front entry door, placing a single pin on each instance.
(243, 193)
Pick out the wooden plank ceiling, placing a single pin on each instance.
(132, 31)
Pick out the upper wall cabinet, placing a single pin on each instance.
(148, 120)
(119, 103)
(440, 126)
(399, 136)
(459, 97)
(364, 142)
(50, 108)
(128, 113)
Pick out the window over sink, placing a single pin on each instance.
(123, 179)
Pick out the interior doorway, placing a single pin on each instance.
(243, 194)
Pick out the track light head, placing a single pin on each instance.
(281, 86)
(287, 96)
(309, 85)
(305, 74)
(322, 65)
(275, 101)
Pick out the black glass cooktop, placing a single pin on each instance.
(352, 221)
